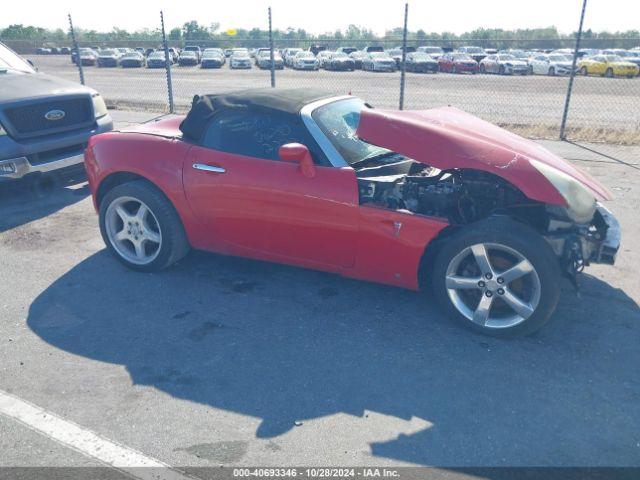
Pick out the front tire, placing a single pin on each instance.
(140, 226)
(497, 277)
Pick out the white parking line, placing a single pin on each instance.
(85, 441)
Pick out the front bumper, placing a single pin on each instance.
(609, 246)
(49, 155)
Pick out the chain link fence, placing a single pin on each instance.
(604, 107)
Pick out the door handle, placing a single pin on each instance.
(208, 168)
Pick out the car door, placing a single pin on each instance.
(252, 204)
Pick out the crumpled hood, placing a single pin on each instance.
(15, 86)
(450, 138)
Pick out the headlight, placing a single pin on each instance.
(99, 107)
(581, 204)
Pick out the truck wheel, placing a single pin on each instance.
(141, 227)
(497, 277)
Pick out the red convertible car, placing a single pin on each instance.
(439, 198)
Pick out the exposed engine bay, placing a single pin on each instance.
(460, 196)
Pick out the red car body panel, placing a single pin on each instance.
(450, 138)
(268, 210)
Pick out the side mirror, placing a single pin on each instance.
(298, 153)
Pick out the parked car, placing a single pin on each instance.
(340, 61)
(373, 48)
(195, 49)
(240, 59)
(627, 56)
(109, 58)
(88, 57)
(263, 60)
(457, 63)
(396, 54)
(435, 52)
(315, 49)
(157, 59)
(43, 51)
(289, 55)
(477, 53)
(132, 60)
(347, 50)
(357, 58)
(608, 66)
(438, 192)
(504, 64)
(305, 61)
(420, 62)
(378, 62)
(322, 57)
(65, 50)
(188, 58)
(212, 58)
(149, 51)
(45, 121)
(550, 64)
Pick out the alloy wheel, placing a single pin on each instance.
(133, 230)
(493, 286)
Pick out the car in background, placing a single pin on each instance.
(305, 60)
(315, 49)
(149, 51)
(378, 62)
(347, 50)
(43, 51)
(477, 53)
(373, 48)
(45, 122)
(457, 63)
(396, 54)
(357, 58)
(438, 201)
(195, 49)
(339, 61)
(109, 58)
(550, 64)
(83, 51)
(608, 66)
(212, 58)
(289, 55)
(88, 57)
(188, 58)
(240, 59)
(420, 62)
(504, 64)
(133, 60)
(435, 52)
(157, 59)
(263, 59)
(322, 56)
(65, 50)
(627, 56)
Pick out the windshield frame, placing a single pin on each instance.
(318, 130)
(10, 60)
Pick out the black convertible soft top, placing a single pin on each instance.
(285, 101)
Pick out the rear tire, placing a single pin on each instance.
(156, 239)
(584, 72)
(552, 72)
(488, 303)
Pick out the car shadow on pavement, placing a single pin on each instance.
(288, 345)
(28, 200)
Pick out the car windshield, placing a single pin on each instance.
(381, 55)
(339, 55)
(339, 122)
(474, 50)
(461, 56)
(210, 54)
(558, 58)
(506, 57)
(11, 61)
(613, 58)
(431, 49)
(107, 53)
(188, 53)
(305, 55)
(131, 55)
(157, 55)
(420, 56)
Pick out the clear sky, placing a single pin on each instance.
(321, 16)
